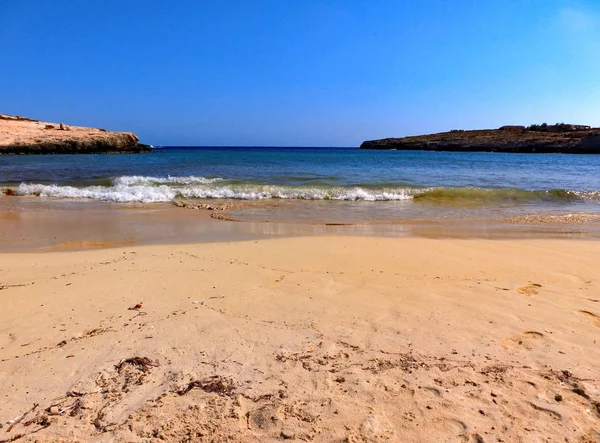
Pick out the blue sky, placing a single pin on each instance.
(299, 72)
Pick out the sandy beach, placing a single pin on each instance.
(319, 338)
(327, 222)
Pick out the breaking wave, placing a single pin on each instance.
(157, 189)
(166, 189)
(141, 180)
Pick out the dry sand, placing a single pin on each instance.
(313, 339)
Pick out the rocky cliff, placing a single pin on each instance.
(20, 135)
(568, 139)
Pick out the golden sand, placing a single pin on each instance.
(313, 339)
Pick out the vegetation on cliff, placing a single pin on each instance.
(544, 138)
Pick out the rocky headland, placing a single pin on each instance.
(559, 138)
(21, 135)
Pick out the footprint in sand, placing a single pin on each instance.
(591, 316)
(530, 289)
(527, 340)
(451, 427)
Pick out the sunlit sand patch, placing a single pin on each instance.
(233, 341)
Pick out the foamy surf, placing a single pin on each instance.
(147, 189)
(117, 193)
(167, 189)
(142, 180)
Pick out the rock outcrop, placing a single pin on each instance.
(567, 139)
(21, 135)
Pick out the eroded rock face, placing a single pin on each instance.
(516, 139)
(21, 135)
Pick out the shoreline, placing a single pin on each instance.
(53, 224)
(345, 339)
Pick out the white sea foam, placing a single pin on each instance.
(141, 180)
(157, 189)
(117, 193)
(588, 195)
(260, 192)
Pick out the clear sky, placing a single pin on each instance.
(299, 72)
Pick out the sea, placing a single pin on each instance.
(332, 185)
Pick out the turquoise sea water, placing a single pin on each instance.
(395, 183)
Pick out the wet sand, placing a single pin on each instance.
(314, 339)
(34, 224)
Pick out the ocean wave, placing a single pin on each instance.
(116, 193)
(142, 180)
(167, 189)
(490, 195)
(260, 192)
(164, 189)
(165, 193)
